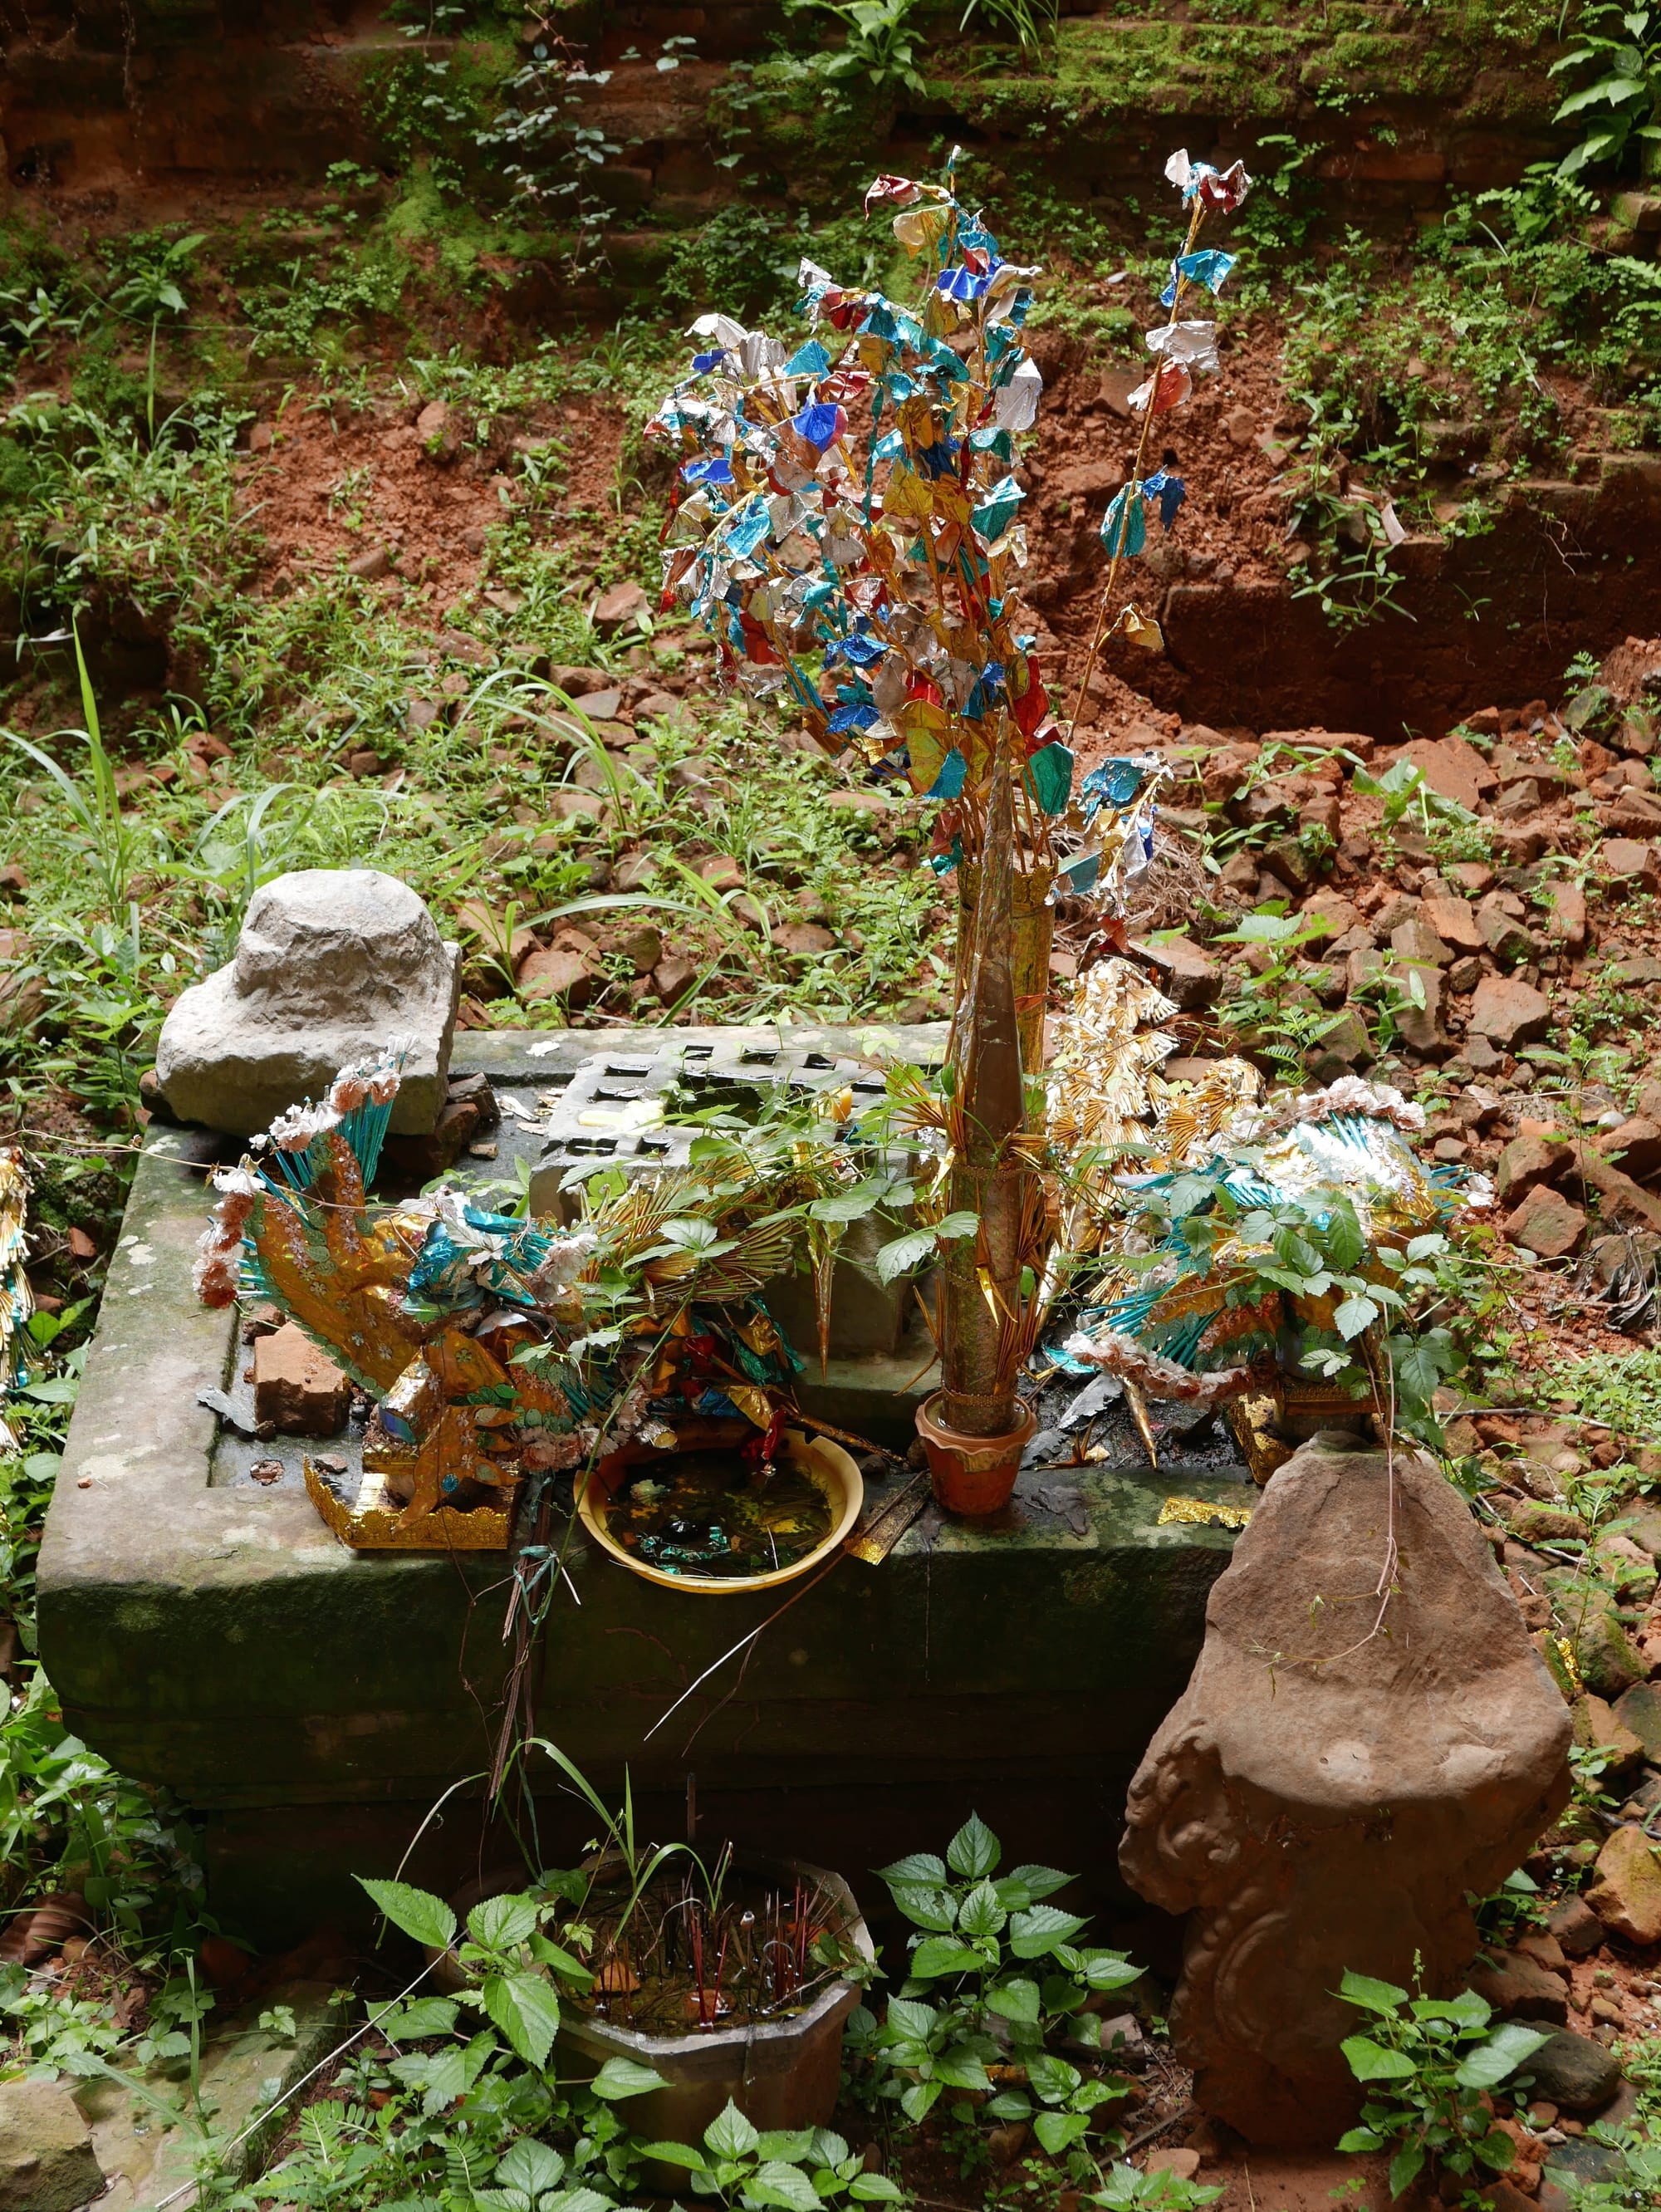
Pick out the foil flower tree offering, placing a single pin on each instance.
(848, 525)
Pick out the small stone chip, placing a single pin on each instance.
(267, 1470)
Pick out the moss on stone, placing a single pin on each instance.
(1255, 58)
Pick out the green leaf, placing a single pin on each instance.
(850, 1205)
(678, 2154)
(1372, 2062)
(578, 2200)
(909, 2018)
(941, 1954)
(1035, 1933)
(1614, 91)
(626, 2077)
(874, 2188)
(973, 1851)
(919, 2098)
(1502, 2054)
(928, 1908)
(1015, 2000)
(527, 2011)
(55, 1390)
(1058, 2131)
(1360, 2139)
(1345, 1239)
(1377, 1996)
(445, 2079)
(902, 1253)
(1263, 929)
(980, 1913)
(921, 1869)
(1009, 2105)
(1110, 1973)
(416, 1912)
(1355, 1314)
(775, 2183)
(561, 1960)
(796, 2146)
(531, 2167)
(962, 2069)
(730, 2135)
(1419, 1366)
(1466, 2010)
(690, 1233)
(1405, 2166)
(1038, 1881)
(502, 1923)
(415, 2021)
(951, 1227)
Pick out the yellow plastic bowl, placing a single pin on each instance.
(826, 1465)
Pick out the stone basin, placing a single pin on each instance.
(311, 1703)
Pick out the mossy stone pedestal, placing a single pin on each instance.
(311, 1703)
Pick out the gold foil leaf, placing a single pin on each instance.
(1202, 1509)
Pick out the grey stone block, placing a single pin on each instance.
(205, 1630)
(331, 965)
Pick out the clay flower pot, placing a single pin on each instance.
(968, 1475)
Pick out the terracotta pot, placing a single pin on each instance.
(972, 1475)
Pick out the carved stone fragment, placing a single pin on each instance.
(331, 965)
(1322, 1797)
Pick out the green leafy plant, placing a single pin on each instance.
(1623, 46)
(1272, 1010)
(989, 1949)
(515, 1966)
(456, 2125)
(1511, 1909)
(1030, 22)
(880, 45)
(793, 2170)
(152, 286)
(1622, 1389)
(1635, 2182)
(1128, 2188)
(1427, 2064)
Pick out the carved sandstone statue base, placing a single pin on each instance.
(1320, 1799)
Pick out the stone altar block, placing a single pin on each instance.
(311, 1704)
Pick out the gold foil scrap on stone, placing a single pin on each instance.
(1200, 1511)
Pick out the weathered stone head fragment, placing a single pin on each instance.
(1323, 1798)
(331, 963)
